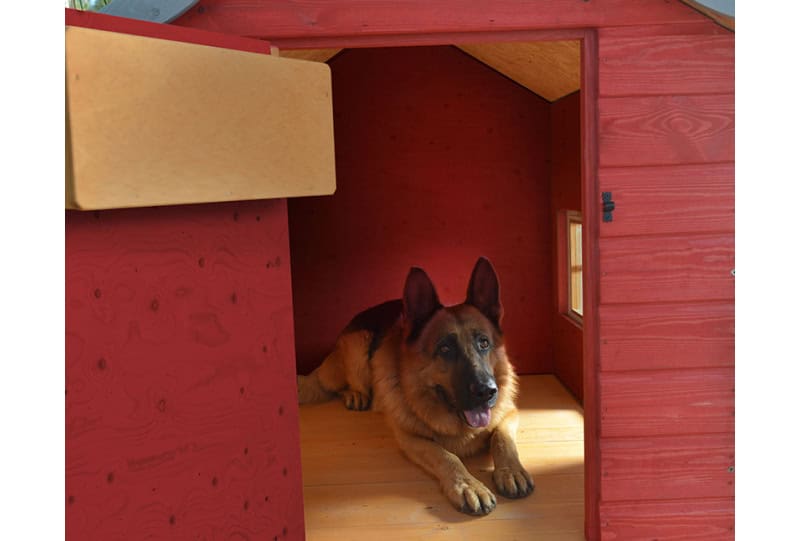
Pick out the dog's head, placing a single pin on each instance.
(455, 350)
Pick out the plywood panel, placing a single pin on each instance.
(662, 65)
(437, 155)
(279, 20)
(680, 335)
(666, 130)
(181, 415)
(667, 402)
(550, 69)
(686, 520)
(313, 55)
(667, 468)
(669, 199)
(659, 269)
(157, 122)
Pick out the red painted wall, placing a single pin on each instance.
(565, 190)
(181, 415)
(439, 160)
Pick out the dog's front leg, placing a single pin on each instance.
(465, 492)
(510, 477)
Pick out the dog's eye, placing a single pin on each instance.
(483, 343)
(444, 350)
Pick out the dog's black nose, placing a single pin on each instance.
(484, 391)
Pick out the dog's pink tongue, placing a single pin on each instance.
(479, 417)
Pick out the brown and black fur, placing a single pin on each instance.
(434, 372)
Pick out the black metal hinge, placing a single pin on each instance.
(608, 207)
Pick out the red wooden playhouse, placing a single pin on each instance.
(192, 303)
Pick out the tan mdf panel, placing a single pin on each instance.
(156, 122)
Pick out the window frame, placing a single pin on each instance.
(565, 270)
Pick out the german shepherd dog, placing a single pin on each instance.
(441, 377)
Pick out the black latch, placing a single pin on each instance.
(608, 207)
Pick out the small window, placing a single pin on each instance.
(570, 262)
(575, 266)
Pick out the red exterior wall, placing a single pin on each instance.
(666, 380)
(565, 190)
(181, 415)
(439, 160)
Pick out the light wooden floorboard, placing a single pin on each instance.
(358, 485)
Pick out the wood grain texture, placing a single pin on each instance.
(666, 130)
(667, 402)
(359, 485)
(439, 160)
(659, 336)
(181, 415)
(667, 468)
(313, 55)
(160, 122)
(591, 281)
(724, 20)
(689, 519)
(667, 269)
(550, 69)
(669, 199)
(277, 19)
(666, 65)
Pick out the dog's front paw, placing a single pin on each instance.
(513, 482)
(471, 496)
(354, 400)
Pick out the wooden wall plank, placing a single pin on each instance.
(705, 27)
(565, 195)
(666, 65)
(659, 336)
(667, 468)
(669, 199)
(686, 520)
(279, 19)
(658, 130)
(667, 402)
(667, 269)
(181, 406)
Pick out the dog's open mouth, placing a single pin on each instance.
(478, 417)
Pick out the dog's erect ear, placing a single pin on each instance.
(484, 291)
(420, 301)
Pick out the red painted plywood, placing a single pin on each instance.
(565, 193)
(657, 130)
(667, 269)
(322, 18)
(688, 519)
(667, 402)
(439, 160)
(124, 25)
(181, 415)
(667, 467)
(669, 199)
(657, 336)
(666, 65)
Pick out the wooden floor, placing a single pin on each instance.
(358, 485)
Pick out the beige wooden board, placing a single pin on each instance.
(156, 122)
(551, 69)
(358, 485)
(314, 55)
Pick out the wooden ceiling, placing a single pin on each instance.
(550, 69)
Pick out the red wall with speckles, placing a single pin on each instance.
(439, 160)
(181, 415)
